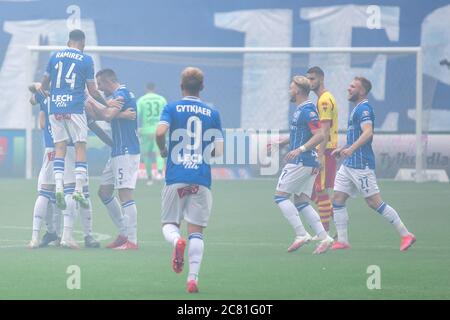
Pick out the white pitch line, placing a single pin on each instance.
(23, 243)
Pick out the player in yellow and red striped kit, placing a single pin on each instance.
(328, 115)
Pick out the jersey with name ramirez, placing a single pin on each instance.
(304, 120)
(188, 119)
(47, 130)
(69, 70)
(363, 157)
(124, 132)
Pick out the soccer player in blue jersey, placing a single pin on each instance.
(68, 73)
(46, 185)
(357, 173)
(195, 135)
(302, 167)
(122, 170)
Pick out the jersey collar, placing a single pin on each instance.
(70, 48)
(122, 86)
(303, 104)
(192, 98)
(361, 102)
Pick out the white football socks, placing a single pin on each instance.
(49, 218)
(130, 216)
(69, 218)
(57, 220)
(313, 218)
(195, 253)
(291, 214)
(392, 216)
(86, 219)
(171, 233)
(341, 222)
(58, 172)
(115, 212)
(80, 176)
(39, 214)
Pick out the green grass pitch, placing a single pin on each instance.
(245, 250)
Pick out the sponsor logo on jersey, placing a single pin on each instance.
(60, 100)
(190, 161)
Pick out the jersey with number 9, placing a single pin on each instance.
(69, 70)
(194, 125)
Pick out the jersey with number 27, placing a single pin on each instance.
(69, 70)
(193, 125)
(363, 157)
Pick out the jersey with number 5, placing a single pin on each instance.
(69, 70)
(193, 125)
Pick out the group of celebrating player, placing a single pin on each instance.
(71, 103)
(310, 171)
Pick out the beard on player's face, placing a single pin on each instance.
(353, 96)
(314, 85)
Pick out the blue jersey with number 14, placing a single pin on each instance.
(69, 70)
(193, 127)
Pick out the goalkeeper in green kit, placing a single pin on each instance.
(149, 108)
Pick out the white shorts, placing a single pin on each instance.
(46, 175)
(121, 171)
(297, 179)
(351, 181)
(190, 202)
(69, 127)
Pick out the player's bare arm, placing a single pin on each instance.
(317, 138)
(128, 114)
(93, 91)
(367, 133)
(107, 113)
(337, 152)
(43, 85)
(36, 87)
(160, 133)
(277, 143)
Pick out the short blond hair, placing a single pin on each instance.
(302, 83)
(192, 79)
